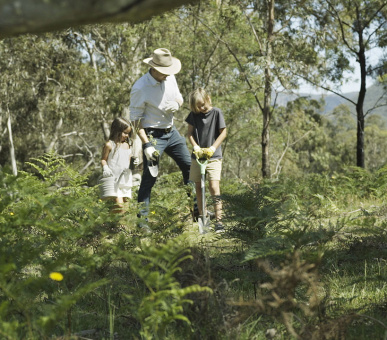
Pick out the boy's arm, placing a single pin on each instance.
(220, 139)
(190, 133)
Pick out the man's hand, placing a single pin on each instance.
(107, 172)
(171, 106)
(150, 153)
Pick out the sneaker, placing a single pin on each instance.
(195, 213)
(143, 225)
(219, 227)
(211, 215)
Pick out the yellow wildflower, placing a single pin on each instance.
(11, 213)
(56, 276)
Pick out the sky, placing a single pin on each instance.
(353, 79)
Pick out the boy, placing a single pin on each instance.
(206, 132)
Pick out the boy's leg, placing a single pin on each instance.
(215, 193)
(214, 169)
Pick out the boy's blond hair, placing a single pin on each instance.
(196, 96)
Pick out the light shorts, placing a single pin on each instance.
(213, 170)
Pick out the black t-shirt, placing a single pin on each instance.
(206, 128)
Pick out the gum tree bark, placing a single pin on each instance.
(267, 110)
(11, 145)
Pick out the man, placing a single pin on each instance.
(154, 100)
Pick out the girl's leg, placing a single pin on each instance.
(214, 187)
(119, 206)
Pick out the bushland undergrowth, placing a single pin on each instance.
(300, 259)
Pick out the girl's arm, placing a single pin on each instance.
(105, 153)
(131, 153)
(220, 139)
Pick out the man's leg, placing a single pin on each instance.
(178, 150)
(148, 181)
(144, 192)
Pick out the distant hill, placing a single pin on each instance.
(373, 93)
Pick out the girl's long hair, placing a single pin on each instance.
(119, 125)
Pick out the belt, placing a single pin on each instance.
(166, 130)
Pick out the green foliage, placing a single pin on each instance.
(298, 255)
(164, 299)
(51, 222)
(41, 231)
(361, 182)
(310, 221)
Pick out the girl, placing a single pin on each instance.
(206, 132)
(115, 160)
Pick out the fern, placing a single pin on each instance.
(41, 231)
(56, 173)
(163, 302)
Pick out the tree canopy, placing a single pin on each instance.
(60, 90)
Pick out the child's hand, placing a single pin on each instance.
(198, 152)
(107, 172)
(208, 152)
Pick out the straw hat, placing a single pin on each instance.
(163, 62)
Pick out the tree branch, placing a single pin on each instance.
(36, 16)
(325, 88)
(241, 68)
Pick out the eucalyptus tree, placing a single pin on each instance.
(342, 134)
(301, 129)
(375, 142)
(268, 47)
(112, 56)
(63, 89)
(350, 29)
(35, 74)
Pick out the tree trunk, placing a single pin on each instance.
(266, 173)
(11, 146)
(360, 103)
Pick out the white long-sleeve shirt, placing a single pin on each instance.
(148, 100)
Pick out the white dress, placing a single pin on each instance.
(118, 161)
